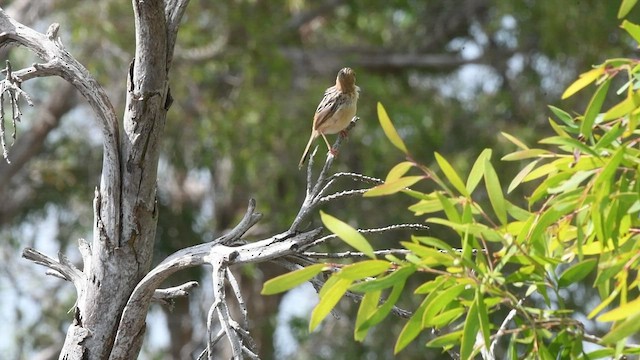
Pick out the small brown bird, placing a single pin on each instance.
(335, 111)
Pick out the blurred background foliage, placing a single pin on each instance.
(246, 78)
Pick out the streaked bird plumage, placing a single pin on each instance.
(336, 109)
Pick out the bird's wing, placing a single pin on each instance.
(327, 107)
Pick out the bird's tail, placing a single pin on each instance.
(306, 150)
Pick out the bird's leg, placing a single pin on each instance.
(332, 151)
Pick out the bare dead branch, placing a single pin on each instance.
(167, 295)
(62, 267)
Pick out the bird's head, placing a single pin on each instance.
(346, 79)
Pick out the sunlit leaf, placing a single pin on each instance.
(470, 330)
(517, 180)
(348, 234)
(525, 154)
(577, 272)
(446, 340)
(389, 130)
(328, 302)
(496, 198)
(621, 109)
(441, 301)
(573, 144)
(411, 329)
(625, 8)
(584, 80)
(483, 317)
(398, 171)
(515, 141)
(631, 28)
(593, 109)
(291, 280)
(384, 310)
(563, 116)
(451, 174)
(384, 282)
(622, 312)
(623, 330)
(393, 187)
(363, 269)
(368, 306)
(477, 171)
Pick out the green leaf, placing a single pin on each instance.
(384, 310)
(515, 141)
(610, 136)
(477, 171)
(384, 282)
(446, 340)
(623, 330)
(411, 329)
(593, 109)
(610, 168)
(441, 301)
(483, 317)
(426, 207)
(451, 174)
(517, 180)
(525, 154)
(469, 332)
(291, 280)
(398, 171)
(328, 302)
(363, 269)
(621, 312)
(573, 144)
(621, 109)
(563, 116)
(389, 130)
(631, 28)
(625, 8)
(447, 317)
(577, 272)
(584, 80)
(368, 306)
(435, 242)
(348, 234)
(393, 187)
(494, 191)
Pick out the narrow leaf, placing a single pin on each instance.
(515, 141)
(623, 330)
(593, 109)
(328, 302)
(411, 329)
(368, 306)
(348, 234)
(622, 312)
(398, 171)
(584, 80)
(389, 130)
(291, 280)
(451, 174)
(625, 8)
(469, 332)
(631, 28)
(393, 187)
(483, 317)
(477, 171)
(517, 180)
(577, 272)
(494, 191)
(364, 269)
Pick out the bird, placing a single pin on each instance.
(336, 109)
